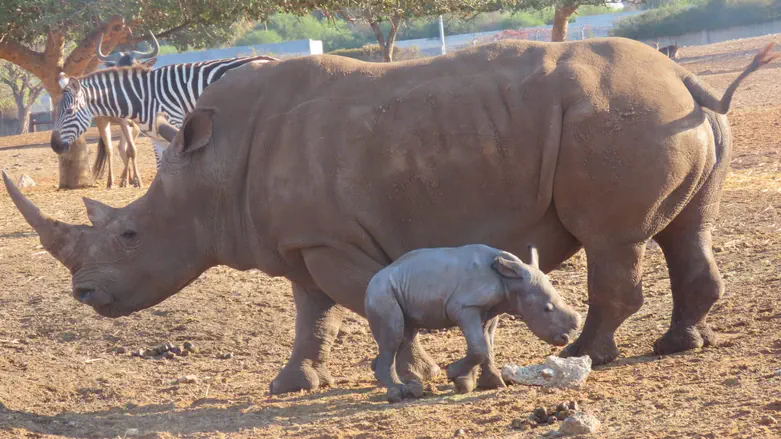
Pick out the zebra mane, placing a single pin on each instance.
(139, 68)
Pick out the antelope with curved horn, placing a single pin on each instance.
(129, 130)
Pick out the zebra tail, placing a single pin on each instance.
(100, 160)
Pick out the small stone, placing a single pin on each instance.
(176, 350)
(580, 423)
(168, 355)
(768, 420)
(573, 405)
(778, 373)
(162, 348)
(563, 414)
(120, 350)
(547, 373)
(138, 353)
(132, 432)
(519, 424)
(227, 356)
(731, 382)
(460, 432)
(561, 407)
(540, 413)
(189, 345)
(187, 379)
(551, 420)
(25, 181)
(184, 353)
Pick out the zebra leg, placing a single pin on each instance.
(104, 129)
(134, 131)
(125, 178)
(127, 149)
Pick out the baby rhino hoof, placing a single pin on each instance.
(464, 384)
(410, 390)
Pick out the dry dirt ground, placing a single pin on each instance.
(60, 376)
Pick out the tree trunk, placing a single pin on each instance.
(386, 44)
(24, 120)
(75, 169)
(74, 165)
(561, 22)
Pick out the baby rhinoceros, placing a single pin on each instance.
(467, 287)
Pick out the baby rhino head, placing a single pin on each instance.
(532, 297)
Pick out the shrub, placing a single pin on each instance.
(707, 15)
(373, 53)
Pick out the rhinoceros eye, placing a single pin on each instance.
(129, 234)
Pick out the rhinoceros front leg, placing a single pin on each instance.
(615, 292)
(490, 376)
(318, 319)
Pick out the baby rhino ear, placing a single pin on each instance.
(508, 268)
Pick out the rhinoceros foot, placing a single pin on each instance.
(491, 379)
(301, 377)
(684, 339)
(416, 366)
(409, 390)
(601, 350)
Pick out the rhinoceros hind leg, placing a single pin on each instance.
(615, 292)
(318, 319)
(413, 363)
(696, 286)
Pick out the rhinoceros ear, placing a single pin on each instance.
(509, 267)
(196, 131)
(99, 214)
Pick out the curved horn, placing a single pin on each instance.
(56, 237)
(153, 53)
(535, 257)
(99, 52)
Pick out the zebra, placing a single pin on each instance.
(129, 131)
(137, 93)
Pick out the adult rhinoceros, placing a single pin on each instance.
(324, 169)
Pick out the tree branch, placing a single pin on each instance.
(22, 56)
(164, 34)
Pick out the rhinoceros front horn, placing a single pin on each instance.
(57, 238)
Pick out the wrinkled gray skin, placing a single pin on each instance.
(468, 287)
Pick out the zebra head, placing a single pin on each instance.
(73, 115)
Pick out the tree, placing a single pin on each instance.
(25, 89)
(51, 23)
(386, 17)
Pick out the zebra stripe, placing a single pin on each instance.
(139, 93)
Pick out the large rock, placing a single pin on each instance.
(555, 372)
(580, 423)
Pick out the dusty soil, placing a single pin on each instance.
(60, 376)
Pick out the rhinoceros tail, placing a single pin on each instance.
(705, 97)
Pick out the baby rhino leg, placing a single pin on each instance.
(490, 376)
(463, 372)
(386, 321)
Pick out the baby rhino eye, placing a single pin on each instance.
(549, 307)
(129, 234)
